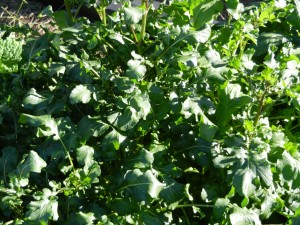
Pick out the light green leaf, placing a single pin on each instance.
(297, 3)
(202, 36)
(136, 70)
(32, 163)
(206, 11)
(133, 15)
(244, 167)
(235, 8)
(85, 156)
(189, 58)
(193, 4)
(43, 208)
(271, 202)
(91, 174)
(142, 186)
(141, 103)
(243, 216)
(243, 181)
(32, 99)
(47, 125)
(80, 93)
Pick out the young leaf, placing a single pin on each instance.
(80, 93)
(43, 208)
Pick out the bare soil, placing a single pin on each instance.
(23, 13)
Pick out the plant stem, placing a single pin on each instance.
(68, 9)
(104, 15)
(144, 23)
(260, 107)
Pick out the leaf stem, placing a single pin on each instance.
(195, 205)
(68, 154)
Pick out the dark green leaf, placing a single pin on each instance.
(142, 186)
(231, 99)
(8, 160)
(206, 11)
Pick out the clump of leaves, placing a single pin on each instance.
(196, 123)
(10, 55)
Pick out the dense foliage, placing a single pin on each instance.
(164, 116)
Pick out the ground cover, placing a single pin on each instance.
(153, 116)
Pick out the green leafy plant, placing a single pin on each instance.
(10, 55)
(167, 116)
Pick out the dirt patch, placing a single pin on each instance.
(20, 13)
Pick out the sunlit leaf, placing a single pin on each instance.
(44, 208)
(80, 93)
(241, 216)
(142, 186)
(32, 163)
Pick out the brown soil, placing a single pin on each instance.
(19, 13)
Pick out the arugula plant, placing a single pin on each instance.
(155, 117)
